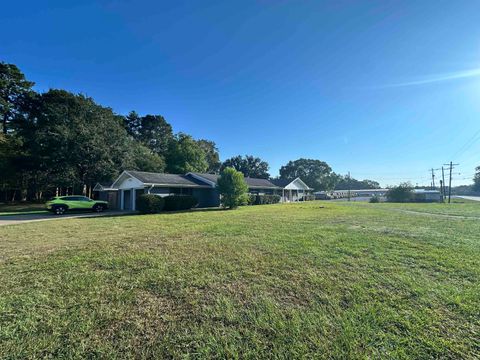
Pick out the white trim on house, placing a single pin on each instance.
(293, 185)
(120, 176)
(100, 187)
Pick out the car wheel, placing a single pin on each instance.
(98, 208)
(59, 210)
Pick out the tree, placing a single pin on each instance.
(62, 140)
(153, 131)
(315, 173)
(74, 140)
(232, 188)
(344, 183)
(10, 151)
(476, 179)
(185, 155)
(211, 155)
(14, 93)
(249, 166)
(400, 193)
(141, 158)
(370, 184)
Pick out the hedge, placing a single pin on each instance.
(150, 204)
(180, 202)
(263, 199)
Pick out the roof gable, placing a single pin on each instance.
(296, 184)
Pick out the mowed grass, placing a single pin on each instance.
(308, 280)
(21, 208)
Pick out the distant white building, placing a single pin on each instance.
(353, 193)
(424, 195)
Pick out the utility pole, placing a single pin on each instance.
(433, 178)
(349, 186)
(452, 165)
(443, 183)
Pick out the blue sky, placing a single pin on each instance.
(383, 89)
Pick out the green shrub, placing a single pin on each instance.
(400, 193)
(180, 202)
(232, 188)
(252, 198)
(150, 204)
(263, 199)
(374, 199)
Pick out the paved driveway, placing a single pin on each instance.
(474, 198)
(20, 219)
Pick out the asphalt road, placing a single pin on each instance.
(474, 198)
(20, 219)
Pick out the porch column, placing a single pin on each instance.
(290, 195)
(122, 200)
(134, 205)
(283, 195)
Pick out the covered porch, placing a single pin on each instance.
(295, 191)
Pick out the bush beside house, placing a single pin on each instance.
(179, 202)
(232, 188)
(263, 199)
(150, 204)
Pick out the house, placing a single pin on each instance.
(131, 184)
(293, 190)
(126, 189)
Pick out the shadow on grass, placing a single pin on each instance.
(21, 213)
(130, 213)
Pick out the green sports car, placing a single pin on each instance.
(59, 204)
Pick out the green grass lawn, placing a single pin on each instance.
(21, 208)
(312, 280)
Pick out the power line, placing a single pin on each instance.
(468, 144)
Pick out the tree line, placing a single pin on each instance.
(61, 142)
(58, 141)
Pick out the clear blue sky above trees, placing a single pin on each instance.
(383, 89)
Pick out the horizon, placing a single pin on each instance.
(372, 88)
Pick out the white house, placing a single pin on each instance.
(293, 190)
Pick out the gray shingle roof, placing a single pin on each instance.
(251, 182)
(281, 182)
(166, 179)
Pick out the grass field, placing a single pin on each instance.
(311, 280)
(21, 208)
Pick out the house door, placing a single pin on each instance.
(127, 200)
